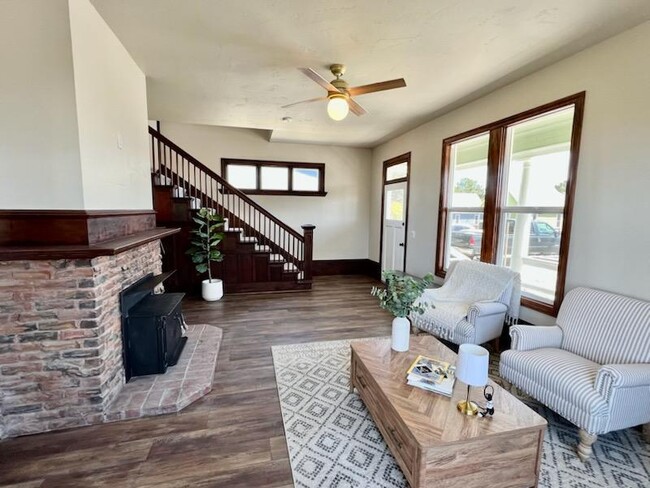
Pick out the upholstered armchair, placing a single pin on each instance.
(592, 367)
(472, 305)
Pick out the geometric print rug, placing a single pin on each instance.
(333, 441)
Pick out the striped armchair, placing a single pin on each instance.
(592, 368)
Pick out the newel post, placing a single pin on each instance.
(309, 250)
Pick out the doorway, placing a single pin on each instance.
(394, 213)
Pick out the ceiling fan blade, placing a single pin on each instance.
(375, 87)
(355, 108)
(305, 101)
(319, 79)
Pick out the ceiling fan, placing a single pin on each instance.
(340, 95)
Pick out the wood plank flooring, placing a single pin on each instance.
(232, 437)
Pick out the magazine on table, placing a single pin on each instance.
(432, 375)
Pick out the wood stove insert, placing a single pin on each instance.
(152, 327)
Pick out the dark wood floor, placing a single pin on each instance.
(233, 437)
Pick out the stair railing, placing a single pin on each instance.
(174, 166)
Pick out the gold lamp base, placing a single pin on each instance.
(467, 408)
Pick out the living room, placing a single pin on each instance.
(93, 89)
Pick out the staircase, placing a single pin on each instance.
(261, 253)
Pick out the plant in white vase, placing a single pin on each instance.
(399, 297)
(205, 240)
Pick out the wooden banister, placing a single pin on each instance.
(222, 181)
(190, 178)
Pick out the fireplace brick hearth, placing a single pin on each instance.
(60, 341)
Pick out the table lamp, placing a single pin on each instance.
(471, 369)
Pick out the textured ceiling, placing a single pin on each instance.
(234, 62)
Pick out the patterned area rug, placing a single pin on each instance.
(333, 441)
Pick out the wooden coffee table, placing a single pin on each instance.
(433, 443)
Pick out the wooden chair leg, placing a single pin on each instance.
(646, 432)
(586, 441)
(415, 330)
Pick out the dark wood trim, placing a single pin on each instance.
(492, 207)
(443, 214)
(105, 248)
(329, 267)
(290, 165)
(286, 193)
(71, 227)
(493, 198)
(513, 119)
(406, 157)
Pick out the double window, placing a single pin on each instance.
(275, 177)
(507, 195)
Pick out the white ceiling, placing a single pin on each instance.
(233, 62)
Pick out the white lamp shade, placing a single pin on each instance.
(472, 365)
(337, 107)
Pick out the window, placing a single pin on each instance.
(507, 194)
(275, 177)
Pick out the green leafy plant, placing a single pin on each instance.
(205, 239)
(401, 292)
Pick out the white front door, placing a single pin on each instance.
(394, 228)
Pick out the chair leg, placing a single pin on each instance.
(415, 330)
(586, 441)
(646, 432)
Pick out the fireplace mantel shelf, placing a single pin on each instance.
(105, 248)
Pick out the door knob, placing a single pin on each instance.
(401, 244)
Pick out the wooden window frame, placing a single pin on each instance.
(494, 185)
(290, 165)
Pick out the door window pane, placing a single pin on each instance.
(397, 171)
(468, 170)
(274, 178)
(305, 179)
(242, 176)
(395, 204)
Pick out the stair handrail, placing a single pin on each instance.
(230, 188)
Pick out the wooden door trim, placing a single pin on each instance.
(406, 157)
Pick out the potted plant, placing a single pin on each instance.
(399, 298)
(205, 239)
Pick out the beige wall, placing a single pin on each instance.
(39, 145)
(68, 90)
(341, 218)
(112, 115)
(611, 235)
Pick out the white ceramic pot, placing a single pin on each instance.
(401, 334)
(212, 290)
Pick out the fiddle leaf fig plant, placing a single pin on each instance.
(400, 295)
(205, 240)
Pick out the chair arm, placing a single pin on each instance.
(527, 337)
(613, 376)
(484, 309)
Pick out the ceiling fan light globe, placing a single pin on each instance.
(337, 108)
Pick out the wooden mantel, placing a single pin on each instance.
(75, 234)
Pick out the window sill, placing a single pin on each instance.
(286, 193)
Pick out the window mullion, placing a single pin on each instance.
(491, 213)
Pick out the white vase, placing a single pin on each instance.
(401, 334)
(212, 290)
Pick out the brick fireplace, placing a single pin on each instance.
(60, 327)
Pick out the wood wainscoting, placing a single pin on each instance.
(330, 267)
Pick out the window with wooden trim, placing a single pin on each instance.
(275, 177)
(506, 197)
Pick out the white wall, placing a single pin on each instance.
(39, 146)
(341, 217)
(112, 115)
(610, 236)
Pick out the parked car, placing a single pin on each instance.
(544, 239)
